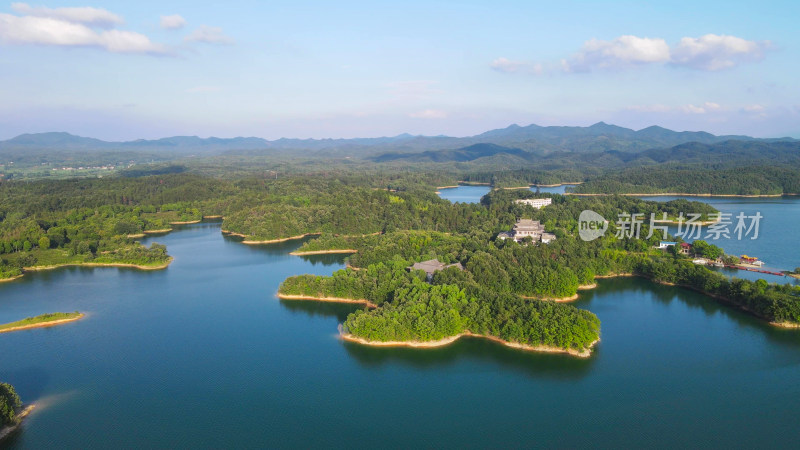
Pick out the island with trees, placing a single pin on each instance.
(41, 321)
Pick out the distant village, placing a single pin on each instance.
(85, 168)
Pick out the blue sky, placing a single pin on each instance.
(127, 70)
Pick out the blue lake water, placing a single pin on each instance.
(473, 194)
(204, 355)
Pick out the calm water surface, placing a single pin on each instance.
(204, 355)
(473, 194)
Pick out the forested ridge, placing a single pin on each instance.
(748, 180)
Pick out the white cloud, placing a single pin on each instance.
(715, 52)
(754, 108)
(209, 35)
(509, 66)
(86, 15)
(622, 51)
(173, 22)
(694, 109)
(72, 29)
(710, 52)
(118, 41)
(706, 107)
(429, 114)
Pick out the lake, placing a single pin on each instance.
(203, 354)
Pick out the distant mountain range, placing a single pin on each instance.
(518, 141)
(469, 153)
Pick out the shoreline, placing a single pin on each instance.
(450, 339)
(275, 241)
(165, 230)
(325, 252)
(541, 185)
(676, 194)
(785, 324)
(15, 277)
(551, 299)
(566, 183)
(93, 264)
(233, 233)
(582, 287)
(702, 223)
(270, 241)
(9, 429)
(364, 302)
(213, 217)
(51, 323)
(473, 183)
(186, 222)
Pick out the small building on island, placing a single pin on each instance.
(433, 265)
(525, 228)
(666, 244)
(537, 203)
(686, 248)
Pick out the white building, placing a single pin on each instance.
(528, 228)
(537, 203)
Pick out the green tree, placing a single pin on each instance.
(9, 404)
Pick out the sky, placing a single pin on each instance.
(121, 70)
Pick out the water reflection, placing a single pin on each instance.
(642, 290)
(325, 259)
(340, 311)
(277, 248)
(477, 350)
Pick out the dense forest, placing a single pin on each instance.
(749, 180)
